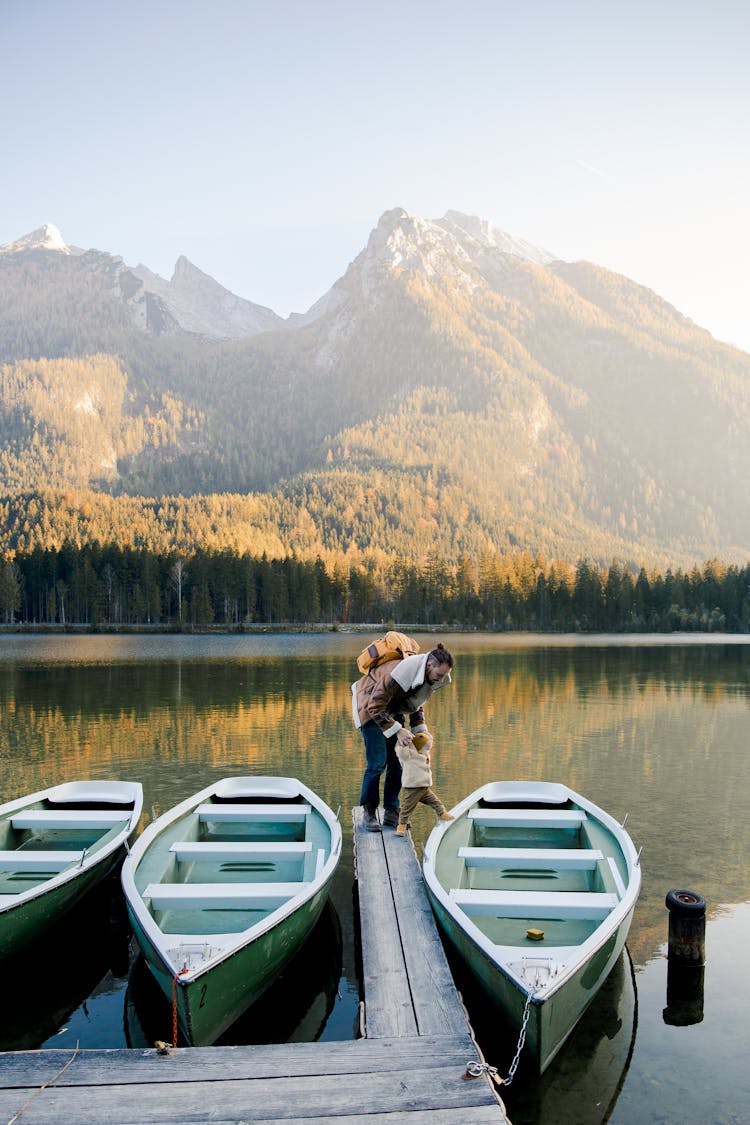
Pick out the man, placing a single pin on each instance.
(381, 700)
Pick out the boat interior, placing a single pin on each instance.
(532, 872)
(45, 838)
(227, 865)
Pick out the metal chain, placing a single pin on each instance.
(521, 1040)
(474, 1069)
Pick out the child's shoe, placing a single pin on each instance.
(446, 816)
(401, 830)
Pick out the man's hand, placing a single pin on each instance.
(404, 737)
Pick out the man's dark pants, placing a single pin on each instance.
(380, 755)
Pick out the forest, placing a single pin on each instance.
(113, 587)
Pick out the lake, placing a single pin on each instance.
(655, 728)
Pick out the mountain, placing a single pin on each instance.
(198, 304)
(190, 303)
(47, 237)
(456, 390)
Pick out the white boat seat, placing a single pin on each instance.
(541, 859)
(38, 861)
(535, 904)
(289, 814)
(241, 851)
(76, 818)
(220, 896)
(527, 818)
(96, 794)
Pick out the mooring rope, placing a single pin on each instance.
(44, 1086)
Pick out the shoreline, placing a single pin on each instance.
(256, 628)
(220, 630)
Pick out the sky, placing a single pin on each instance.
(263, 139)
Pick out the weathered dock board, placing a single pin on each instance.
(393, 1081)
(409, 1070)
(408, 987)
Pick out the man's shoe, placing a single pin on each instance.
(390, 818)
(372, 823)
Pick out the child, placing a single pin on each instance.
(416, 780)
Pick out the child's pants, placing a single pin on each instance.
(410, 798)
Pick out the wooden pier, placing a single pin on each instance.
(408, 1069)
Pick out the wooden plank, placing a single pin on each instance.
(388, 1003)
(201, 1064)
(470, 1115)
(436, 1001)
(250, 1100)
(25, 1068)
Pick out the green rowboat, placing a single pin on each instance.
(54, 846)
(224, 888)
(534, 887)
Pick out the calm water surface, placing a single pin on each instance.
(656, 728)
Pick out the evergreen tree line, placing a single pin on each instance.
(111, 586)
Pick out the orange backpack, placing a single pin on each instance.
(393, 646)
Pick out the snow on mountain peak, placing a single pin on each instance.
(493, 238)
(452, 245)
(402, 241)
(46, 237)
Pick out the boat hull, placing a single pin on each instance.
(224, 889)
(211, 1002)
(534, 888)
(28, 922)
(552, 1019)
(294, 1008)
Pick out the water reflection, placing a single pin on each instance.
(684, 995)
(83, 955)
